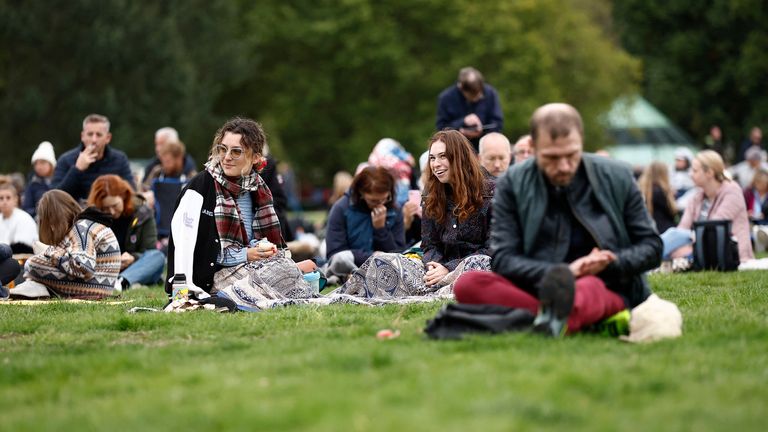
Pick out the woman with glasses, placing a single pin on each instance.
(225, 235)
(363, 221)
(134, 226)
(455, 228)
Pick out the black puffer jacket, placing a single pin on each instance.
(142, 230)
(527, 241)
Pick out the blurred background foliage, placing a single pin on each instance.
(330, 78)
(705, 62)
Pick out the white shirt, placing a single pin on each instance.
(19, 228)
(680, 180)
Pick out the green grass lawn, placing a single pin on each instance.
(78, 367)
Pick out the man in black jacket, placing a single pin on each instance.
(77, 169)
(570, 236)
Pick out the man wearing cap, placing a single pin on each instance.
(495, 153)
(77, 169)
(43, 164)
(743, 172)
(471, 106)
(570, 236)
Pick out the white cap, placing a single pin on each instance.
(684, 153)
(45, 152)
(654, 319)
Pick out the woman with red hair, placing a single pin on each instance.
(134, 226)
(455, 228)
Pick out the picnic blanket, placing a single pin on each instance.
(57, 301)
(265, 304)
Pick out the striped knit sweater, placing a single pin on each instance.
(84, 265)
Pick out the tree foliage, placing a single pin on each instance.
(327, 78)
(336, 77)
(704, 62)
(143, 64)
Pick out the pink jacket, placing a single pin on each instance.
(729, 204)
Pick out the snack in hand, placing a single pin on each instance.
(265, 246)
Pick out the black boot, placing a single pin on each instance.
(556, 291)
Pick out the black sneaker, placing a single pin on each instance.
(556, 290)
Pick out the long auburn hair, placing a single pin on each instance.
(111, 185)
(656, 174)
(57, 211)
(467, 179)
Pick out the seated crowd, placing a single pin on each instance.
(564, 232)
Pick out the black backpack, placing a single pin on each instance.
(714, 248)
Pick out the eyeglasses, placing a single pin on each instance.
(234, 152)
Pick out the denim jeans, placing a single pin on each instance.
(9, 267)
(146, 270)
(5, 251)
(675, 238)
(9, 270)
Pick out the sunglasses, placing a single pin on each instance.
(234, 152)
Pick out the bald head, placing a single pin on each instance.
(556, 120)
(495, 153)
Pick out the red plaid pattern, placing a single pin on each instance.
(229, 224)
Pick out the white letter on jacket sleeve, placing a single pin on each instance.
(184, 225)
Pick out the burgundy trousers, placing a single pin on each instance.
(592, 302)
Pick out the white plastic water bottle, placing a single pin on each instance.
(180, 289)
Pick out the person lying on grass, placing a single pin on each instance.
(571, 236)
(83, 256)
(224, 230)
(455, 227)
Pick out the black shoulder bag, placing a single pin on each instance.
(714, 249)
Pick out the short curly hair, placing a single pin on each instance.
(253, 137)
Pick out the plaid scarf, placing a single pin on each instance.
(229, 224)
